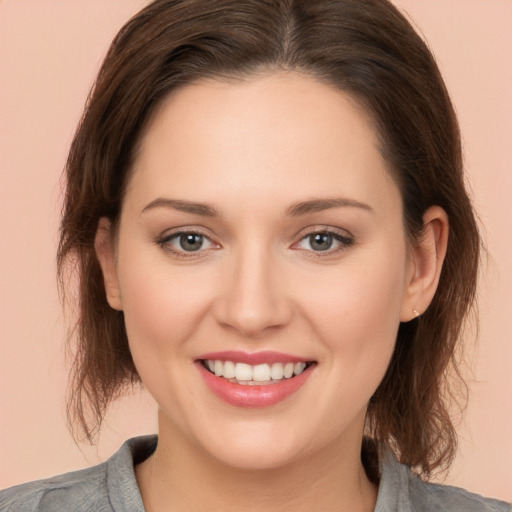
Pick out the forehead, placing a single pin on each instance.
(281, 136)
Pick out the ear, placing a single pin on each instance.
(425, 264)
(105, 252)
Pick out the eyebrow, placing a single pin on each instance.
(295, 210)
(319, 205)
(203, 209)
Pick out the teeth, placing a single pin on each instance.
(276, 372)
(261, 372)
(251, 375)
(229, 370)
(242, 371)
(288, 370)
(218, 368)
(299, 368)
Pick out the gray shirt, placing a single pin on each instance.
(112, 487)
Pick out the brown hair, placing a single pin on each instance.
(363, 47)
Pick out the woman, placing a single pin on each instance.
(266, 206)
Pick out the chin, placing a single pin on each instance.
(255, 458)
(253, 447)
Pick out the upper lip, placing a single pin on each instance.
(253, 358)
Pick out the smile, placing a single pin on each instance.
(254, 380)
(254, 375)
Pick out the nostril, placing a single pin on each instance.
(250, 318)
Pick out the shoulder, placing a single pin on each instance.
(80, 490)
(109, 486)
(401, 490)
(428, 496)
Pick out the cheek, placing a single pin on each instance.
(161, 305)
(356, 312)
(360, 298)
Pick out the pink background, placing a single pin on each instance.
(49, 53)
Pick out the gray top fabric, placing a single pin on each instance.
(112, 487)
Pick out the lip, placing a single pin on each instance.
(253, 358)
(241, 395)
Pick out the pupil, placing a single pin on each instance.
(191, 242)
(321, 241)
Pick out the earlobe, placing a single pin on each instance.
(426, 263)
(105, 252)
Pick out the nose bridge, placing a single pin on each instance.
(252, 298)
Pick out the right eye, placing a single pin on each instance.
(185, 243)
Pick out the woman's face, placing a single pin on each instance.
(261, 229)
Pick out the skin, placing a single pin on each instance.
(252, 149)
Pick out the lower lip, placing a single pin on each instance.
(242, 395)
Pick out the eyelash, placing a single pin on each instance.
(344, 242)
(165, 243)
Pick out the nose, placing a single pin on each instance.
(253, 299)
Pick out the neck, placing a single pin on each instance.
(181, 477)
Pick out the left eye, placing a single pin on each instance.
(186, 242)
(323, 241)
